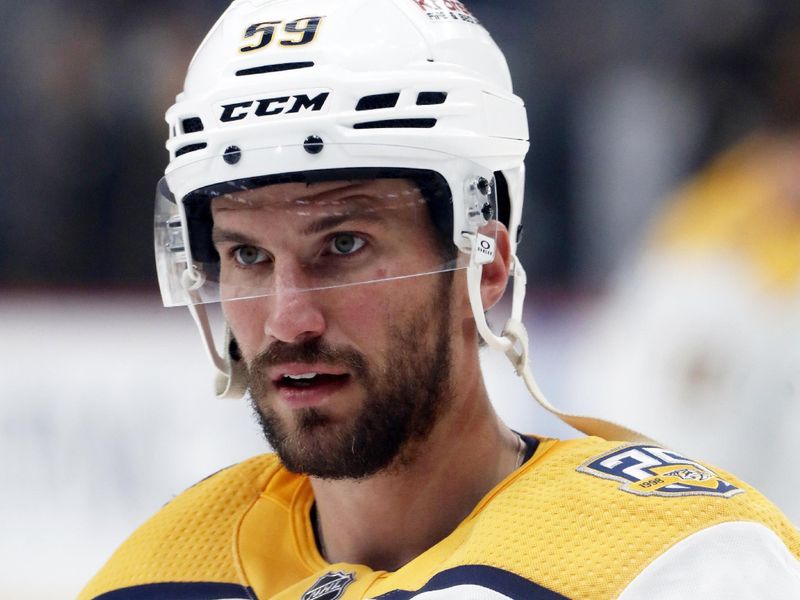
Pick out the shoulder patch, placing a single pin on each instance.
(652, 471)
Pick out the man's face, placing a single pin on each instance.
(345, 380)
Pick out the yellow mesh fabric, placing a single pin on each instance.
(190, 539)
(583, 537)
(571, 532)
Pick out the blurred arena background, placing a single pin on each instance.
(662, 244)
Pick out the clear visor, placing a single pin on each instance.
(260, 234)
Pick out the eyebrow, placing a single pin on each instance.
(219, 235)
(332, 221)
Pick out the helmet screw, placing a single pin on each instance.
(313, 144)
(483, 186)
(232, 155)
(487, 211)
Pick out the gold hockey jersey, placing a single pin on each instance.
(582, 519)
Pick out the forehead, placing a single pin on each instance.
(379, 197)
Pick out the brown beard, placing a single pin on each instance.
(403, 398)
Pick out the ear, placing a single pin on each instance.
(494, 277)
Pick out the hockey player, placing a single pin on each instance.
(345, 179)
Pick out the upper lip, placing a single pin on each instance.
(279, 372)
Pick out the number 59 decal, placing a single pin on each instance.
(293, 33)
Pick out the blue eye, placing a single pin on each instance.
(345, 243)
(249, 255)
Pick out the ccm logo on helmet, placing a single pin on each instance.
(266, 107)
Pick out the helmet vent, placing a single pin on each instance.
(428, 98)
(192, 125)
(397, 124)
(274, 68)
(378, 101)
(189, 148)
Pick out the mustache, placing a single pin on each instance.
(310, 351)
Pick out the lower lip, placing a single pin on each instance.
(315, 395)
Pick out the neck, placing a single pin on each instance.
(386, 520)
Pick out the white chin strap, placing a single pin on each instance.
(513, 342)
(230, 380)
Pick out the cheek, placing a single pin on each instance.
(246, 323)
(363, 311)
(462, 309)
(362, 314)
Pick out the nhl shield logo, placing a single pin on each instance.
(330, 586)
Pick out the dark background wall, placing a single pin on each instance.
(625, 98)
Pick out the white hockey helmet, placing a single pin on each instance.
(308, 90)
(315, 90)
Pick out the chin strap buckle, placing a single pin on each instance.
(517, 352)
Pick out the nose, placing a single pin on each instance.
(293, 314)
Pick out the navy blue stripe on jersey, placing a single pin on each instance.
(530, 446)
(180, 591)
(498, 580)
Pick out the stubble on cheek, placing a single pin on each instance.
(309, 440)
(395, 402)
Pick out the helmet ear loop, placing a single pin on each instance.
(231, 377)
(233, 383)
(513, 342)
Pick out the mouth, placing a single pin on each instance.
(303, 386)
(310, 380)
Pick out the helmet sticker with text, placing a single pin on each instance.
(446, 11)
